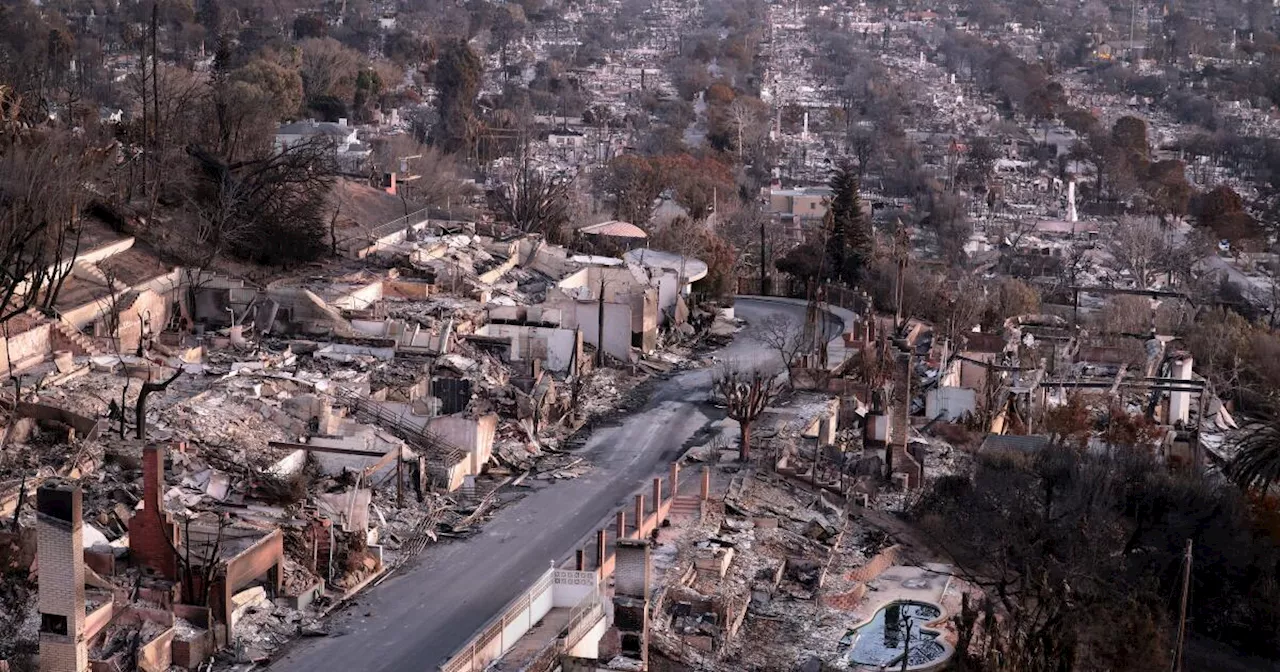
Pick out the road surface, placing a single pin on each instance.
(426, 611)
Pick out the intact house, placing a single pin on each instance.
(351, 154)
(801, 208)
(794, 207)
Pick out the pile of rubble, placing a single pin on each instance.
(755, 566)
(331, 426)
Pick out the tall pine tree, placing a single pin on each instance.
(457, 75)
(848, 232)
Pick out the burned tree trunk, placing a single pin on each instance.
(198, 571)
(745, 395)
(140, 411)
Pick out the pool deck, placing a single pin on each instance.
(930, 584)
(908, 583)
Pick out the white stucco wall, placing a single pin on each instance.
(571, 586)
(25, 348)
(367, 438)
(474, 435)
(575, 280)
(668, 291)
(589, 645)
(555, 347)
(950, 402)
(357, 297)
(617, 326)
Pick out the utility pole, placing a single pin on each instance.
(906, 418)
(600, 336)
(155, 74)
(1182, 616)
(764, 280)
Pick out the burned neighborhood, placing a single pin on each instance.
(592, 335)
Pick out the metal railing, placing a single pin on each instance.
(581, 619)
(853, 300)
(417, 436)
(398, 224)
(465, 659)
(371, 236)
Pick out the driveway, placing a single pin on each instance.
(427, 610)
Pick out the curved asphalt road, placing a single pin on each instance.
(422, 614)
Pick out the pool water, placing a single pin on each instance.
(882, 641)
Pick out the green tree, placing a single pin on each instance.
(282, 86)
(803, 261)
(457, 78)
(848, 231)
(368, 88)
(1256, 463)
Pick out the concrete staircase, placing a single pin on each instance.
(67, 337)
(93, 273)
(324, 554)
(126, 300)
(90, 272)
(687, 505)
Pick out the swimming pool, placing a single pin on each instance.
(895, 629)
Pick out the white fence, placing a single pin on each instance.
(556, 588)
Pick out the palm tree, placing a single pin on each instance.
(1256, 463)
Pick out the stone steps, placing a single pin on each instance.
(79, 344)
(686, 505)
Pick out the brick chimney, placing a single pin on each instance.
(151, 526)
(632, 582)
(60, 553)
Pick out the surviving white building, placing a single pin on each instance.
(351, 153)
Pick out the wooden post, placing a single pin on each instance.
(600, 329)
(400, 478)
(424, 477)
(657, 494)
(675, 479)
(1182, 610)
(706, 483)
(622, 525)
